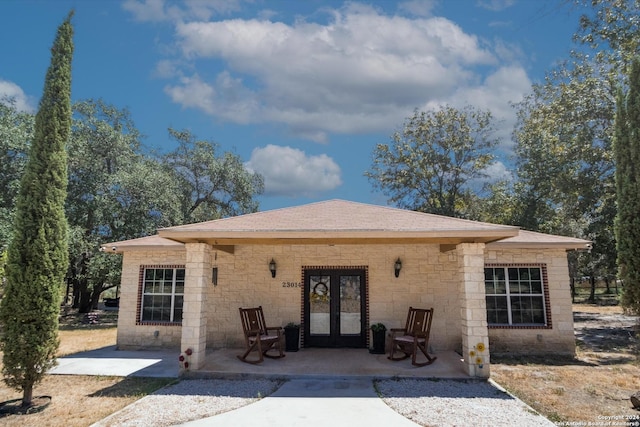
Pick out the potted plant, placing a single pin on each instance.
(378, 331)
(292, 336)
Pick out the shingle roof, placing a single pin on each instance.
(338, 215)
(531, 239)
(339, 221)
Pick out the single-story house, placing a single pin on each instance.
(336, 267)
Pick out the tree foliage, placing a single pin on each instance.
(210, 186)
(113, 195)
(432, 163)
(563, 148)
(117, 191)
(16, 130)
(611, 29)
(627, 154)
(38, 252)
(565, 182)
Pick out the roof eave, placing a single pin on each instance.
(577, 246)
(240, 236)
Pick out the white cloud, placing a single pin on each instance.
(496, 5)
(496, 93)
(418, 7)
(290, 172)
(10, 90)
(498, 171)
(360, 72)
(164, 10)
(505, 86)
(146, 10)
(227, 98)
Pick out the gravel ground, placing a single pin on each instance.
(190, 400)
(427, 403)
(457, 403)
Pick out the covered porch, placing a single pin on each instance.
(327, 362)
(390, 260)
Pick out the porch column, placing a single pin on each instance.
(473, 310)
(194, 316)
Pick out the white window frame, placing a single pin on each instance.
(172, 294)
(543, 295)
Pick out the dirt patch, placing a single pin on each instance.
(607, 335)
(596, 383)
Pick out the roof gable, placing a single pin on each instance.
(344, 222)
(338, 215)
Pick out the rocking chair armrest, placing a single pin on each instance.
(253, 332)
(394, 331)
(278, 329)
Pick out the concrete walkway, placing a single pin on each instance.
(314, 402)
(108, 361)
(223, 363)
(323, 387)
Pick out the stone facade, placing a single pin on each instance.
(451, 282)
(559, 337)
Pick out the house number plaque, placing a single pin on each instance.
(291, 284)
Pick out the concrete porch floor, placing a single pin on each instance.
(328, 362)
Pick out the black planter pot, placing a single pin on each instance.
(292, 338)
(378, 341)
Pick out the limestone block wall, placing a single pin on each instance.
(428, 279)
(131, 335)
(559, 338)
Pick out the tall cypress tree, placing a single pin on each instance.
(627, 155)
(38, 254)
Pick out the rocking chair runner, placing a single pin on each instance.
(257, 336)
(413, 337)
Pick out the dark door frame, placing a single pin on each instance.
(334, 338)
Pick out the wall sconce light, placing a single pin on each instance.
(397, 267)
(272, 268)
(214, 276)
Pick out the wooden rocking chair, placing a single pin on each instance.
(413, 337)
(257, 336)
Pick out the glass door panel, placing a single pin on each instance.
(350, 305)
(319, 305)
(335, 308)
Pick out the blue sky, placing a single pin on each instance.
(302, 91)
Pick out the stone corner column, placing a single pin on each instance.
(473, 309)
(194, 315)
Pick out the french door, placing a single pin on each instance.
(335, 307)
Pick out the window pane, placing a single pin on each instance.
(535, 274)
(177, 309)
(179, 288)
(514, 287)
(494, 281)
(147, 308)
(489, 286)
(537, 310)
(158, 293)
(179, 281)
(163, 304)
(525, 291)
(527, 310)
(319, 305)
(497, 310)
(148, 287)
(536, 286)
